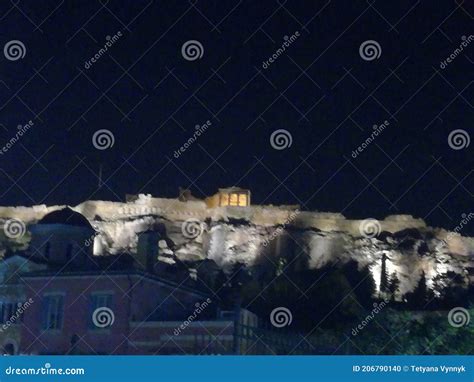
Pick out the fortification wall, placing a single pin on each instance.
(175, 210)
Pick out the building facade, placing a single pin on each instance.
(229, 197)
(14, 300)
(91, 312)
(149, 303)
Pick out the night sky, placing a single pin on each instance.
(320, 90)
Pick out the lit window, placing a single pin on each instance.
(243, 200)
(224, 199)
(234, 201)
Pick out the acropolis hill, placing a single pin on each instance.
(227, 228)
(181, 210)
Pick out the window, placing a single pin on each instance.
(233, 199)
(53, 311)
(224, 200)
(6, 310)
(243, 200)
(99, 300)
(10, 311)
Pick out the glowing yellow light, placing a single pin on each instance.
(243, 200)
(234, 200)
(224, 199)
(238, 198)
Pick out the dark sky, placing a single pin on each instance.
(320, 90)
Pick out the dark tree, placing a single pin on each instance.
(361, 282)
(384, 275)
(451, 289)
(420, 296)
(393, 286)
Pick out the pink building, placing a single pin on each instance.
(86, 304)
(91, 312)
(231, 332)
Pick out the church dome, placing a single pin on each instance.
(66, 216)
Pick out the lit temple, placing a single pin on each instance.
(232, 196)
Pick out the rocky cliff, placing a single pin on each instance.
(228, 235)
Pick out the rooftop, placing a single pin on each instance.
(66, 216)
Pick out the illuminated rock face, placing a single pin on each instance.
(248, 235)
